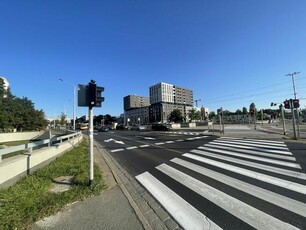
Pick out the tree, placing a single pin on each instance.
(212, 115)
(194, 115)
(238, 112)
(63, 119)
(19, 113)
(176, 116)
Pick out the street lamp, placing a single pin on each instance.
(74, 99)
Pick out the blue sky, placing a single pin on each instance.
(229, 52)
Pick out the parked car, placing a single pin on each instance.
(138, 127)
(121, 127)
(161, 127)
(103, 128)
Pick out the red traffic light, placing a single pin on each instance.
(296, 103)
(287, 104)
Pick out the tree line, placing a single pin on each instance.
(19, 113)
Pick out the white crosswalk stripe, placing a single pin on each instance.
(235, 163)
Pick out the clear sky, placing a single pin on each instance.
(229, 52)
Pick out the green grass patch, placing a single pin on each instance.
(30, 199)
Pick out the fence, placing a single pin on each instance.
(37, 144)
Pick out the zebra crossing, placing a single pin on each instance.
(251, 183)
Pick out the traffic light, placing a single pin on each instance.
(92, 93)
(296, 103)
(287, 104)
(99, 98)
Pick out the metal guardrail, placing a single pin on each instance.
(29, 146)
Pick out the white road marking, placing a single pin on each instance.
(160, 143)
(278, 162)
(243, 211)
(116, 150)
(187, 216)
(254, 142)
(268, 141)
(255, 175)
(143, 146)
(254, 165)
(264, 194)
(132, 147)
(169, 142)
(241, 143)
(252, 148)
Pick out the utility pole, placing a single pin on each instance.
(294, 111)
(293, 81)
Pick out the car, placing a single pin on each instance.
(103, 128)
(121, 127)
(138, 127)
(161, 127)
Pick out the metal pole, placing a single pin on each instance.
(255, 119)
(297, 123)
(293, 118)
(283, 118)
(91, 170)
(262, 117)
(220, 123)
(74, 105)
(293, 82)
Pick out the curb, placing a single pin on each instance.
(150, 213)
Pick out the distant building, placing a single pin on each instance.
(134, 101)
(5, 85)
(164, 98)
(136, 109)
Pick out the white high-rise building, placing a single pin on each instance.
(6, 85)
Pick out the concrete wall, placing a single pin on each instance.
(7, 137)
(13, 168)
(176, 126)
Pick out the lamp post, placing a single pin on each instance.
(74, 99)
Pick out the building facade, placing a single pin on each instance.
(5, 85)
(164, 98)
(136, 109)
(134, 101)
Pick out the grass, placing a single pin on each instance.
(30, 199)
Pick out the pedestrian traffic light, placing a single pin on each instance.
(287, 104)
(92, 93)
(296, 103)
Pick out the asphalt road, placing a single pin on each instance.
(217, 182)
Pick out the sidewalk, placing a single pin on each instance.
(110, 210)
(124, 205)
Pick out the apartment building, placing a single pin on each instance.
(164, 98)
(136, 109)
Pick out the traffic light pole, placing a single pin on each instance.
(293, 118)
(283, 119)
(91, 169)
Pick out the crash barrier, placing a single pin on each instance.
(19, 136)
(33, 155)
